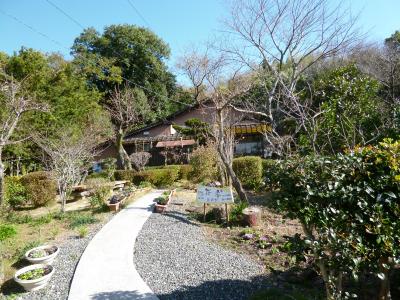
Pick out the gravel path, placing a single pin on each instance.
(174, 258)
(70, 252)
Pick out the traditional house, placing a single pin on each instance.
(167, 145)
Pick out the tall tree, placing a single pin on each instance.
(58, 84)
(128, 109)
(392, 66)
(209, 72)
(127, 52)
(280, 40)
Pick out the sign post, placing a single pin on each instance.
(214, 195)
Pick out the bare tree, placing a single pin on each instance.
(279, 40)
(128, 109)
(382, 63)
(210, 72)
(194, 68)
(140, 159)
(68, 156)
(14, 103)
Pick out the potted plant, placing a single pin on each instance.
(162, 202)
(42, 255)
(114, 203)
(34, 277)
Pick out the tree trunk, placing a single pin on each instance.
(2, 192)
(235, 180)
(61, 191)
(123, 158)
(228, 165)
(384, 291)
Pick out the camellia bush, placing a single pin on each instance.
(349, 207)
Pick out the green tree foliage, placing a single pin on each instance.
(352, 113)
(130, 52)
(196, 128)
(57, 83)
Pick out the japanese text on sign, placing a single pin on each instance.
(207, 194)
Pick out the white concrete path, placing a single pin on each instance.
(106, 269)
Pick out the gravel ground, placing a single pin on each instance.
(174, 258)
(70, 252)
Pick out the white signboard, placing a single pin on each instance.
(206, 194)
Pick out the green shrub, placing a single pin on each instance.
(157, 177)
(270, 169)
(185, 171)
(82, 231)
(7, 231)
(109, 165)
(77, 220)
(124, 175)
(40, 188)
(204, 162)
(249, 171)
(349, 208)
(144, 184)
(99, 197)
(236, 213)
(15, 192)
(163, 167)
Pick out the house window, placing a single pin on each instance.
(250, 144)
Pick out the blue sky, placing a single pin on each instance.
(178, 22)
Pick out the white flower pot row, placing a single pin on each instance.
(44, 262)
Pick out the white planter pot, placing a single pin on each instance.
(42, 260)
(35, 284)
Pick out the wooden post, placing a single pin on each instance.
(204, 213)
(227, 214)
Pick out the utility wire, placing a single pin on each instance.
(137, 12)
(97, 63)
(33, 29)
(65, 14)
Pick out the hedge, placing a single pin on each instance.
(185, 172)
(204, 161)
(160, 176)
(157, 177)
(249, 170)
(40, 188)
(124, 174)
